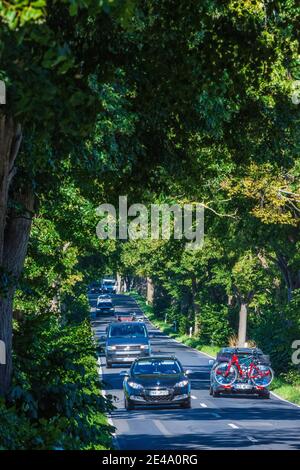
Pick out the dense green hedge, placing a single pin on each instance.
(55, 401)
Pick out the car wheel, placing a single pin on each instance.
(128, 404)
(210, 390)
(215, 394)
(187, 404)
(108, 365)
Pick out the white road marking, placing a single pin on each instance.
(233, 426)
(251, 439)
(283, 399)
(193, 397)
(203, 405)
(162, 427)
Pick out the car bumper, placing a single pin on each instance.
(239, 389)
(169, 400)
(125, 357)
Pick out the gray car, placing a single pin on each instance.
(125, 342)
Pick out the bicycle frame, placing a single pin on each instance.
(251, 366)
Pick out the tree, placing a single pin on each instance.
(49, 64)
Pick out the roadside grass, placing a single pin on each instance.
(280, 386)
(290, 392)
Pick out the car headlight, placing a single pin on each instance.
(135, 385)
(111, 348)
(182, 383)
(144, 346)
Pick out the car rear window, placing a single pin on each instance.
(157, 367)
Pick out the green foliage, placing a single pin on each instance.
(214, 324)
(167, 102)
(276, 330)
(56, 400)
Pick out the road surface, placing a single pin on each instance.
(212, 423)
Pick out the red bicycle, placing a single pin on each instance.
(249, 368)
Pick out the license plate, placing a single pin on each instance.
(158, 393)
(243, 387)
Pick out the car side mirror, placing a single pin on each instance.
(124, 373)
(211, 362)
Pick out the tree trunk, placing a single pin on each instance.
(196, 307)
(242, 325)
(14, 235)
(10, 140)
(119, 283)
(16, 239)
(150, 291)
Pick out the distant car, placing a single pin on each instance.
(102, 297)
(109, 286)
(130, 316)
(125, 342)
(95, 290)
(242, 385)
(105, 306)
(157, 381)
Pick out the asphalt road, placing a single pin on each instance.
(212, 423)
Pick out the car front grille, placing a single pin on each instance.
(158, 399)
(125, 348)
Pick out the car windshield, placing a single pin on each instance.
(109, 283)
(105, 304)
(157, 367)
(128, 331)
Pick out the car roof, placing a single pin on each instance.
(131, 323)
(124, 313)
(240, 350)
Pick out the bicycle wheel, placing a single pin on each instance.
(225, 375)
(261, 375)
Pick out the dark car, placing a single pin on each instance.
(157, 380)
(104, 306)
(125, 342)
(242, 385)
